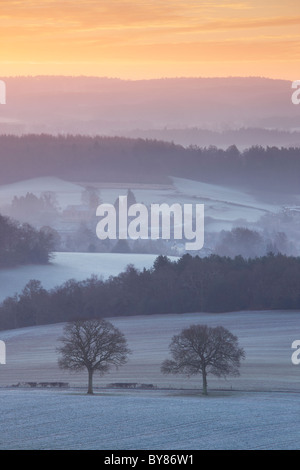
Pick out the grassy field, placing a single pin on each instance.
(265, 336)
(157, 420)
(258, 410)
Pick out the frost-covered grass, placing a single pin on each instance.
(156, 420)
(258, 410)
(222, 203)
(66, 192)
(266, 337)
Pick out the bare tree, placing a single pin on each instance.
(201, 349)
(92, 344)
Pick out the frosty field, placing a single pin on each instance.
(223, 205)
(265, 336)
(260, 409)
(156, 420)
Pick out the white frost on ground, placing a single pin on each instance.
(52, 420)
(258, 410)
(222, 203)
(67, 192)
(266, 337)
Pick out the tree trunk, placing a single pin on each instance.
(204, 390)
(90, 385)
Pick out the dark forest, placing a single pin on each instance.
(190, 284)
(118, 159)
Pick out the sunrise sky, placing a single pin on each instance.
(150, 39)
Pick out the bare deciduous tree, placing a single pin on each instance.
(201, 349)
(92, 344)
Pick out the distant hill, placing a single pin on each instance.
(185, 110)
(242, 138)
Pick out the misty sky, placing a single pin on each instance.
(146, 39)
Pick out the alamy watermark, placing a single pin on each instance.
(180, 222)
(296, 94)
(296, 354)
(2, 352)
(2, 92)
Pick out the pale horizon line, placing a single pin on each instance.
(173, 77)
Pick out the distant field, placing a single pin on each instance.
(66, 266)
(258, 410)
(223, 205)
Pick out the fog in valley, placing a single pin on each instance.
(187, 111)
(68, 144)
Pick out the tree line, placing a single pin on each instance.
(119, 159)
(189, 284)
(23, 244)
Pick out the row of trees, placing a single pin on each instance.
(34, 209)
(189, 284)
(97, 345)
(23, 244)
(84, 158)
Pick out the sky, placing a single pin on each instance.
(140, 39)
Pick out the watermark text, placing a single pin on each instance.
(2, 92)
(180, 222)
(2, 352)
(296, 94)
(296, 354)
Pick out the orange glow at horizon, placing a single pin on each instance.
(150, 39)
